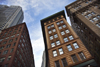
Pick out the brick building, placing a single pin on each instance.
(62, 46)
(85, 20)
(15, 47)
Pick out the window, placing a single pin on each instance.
(58, 42)
(95, 19)
(89, 15)
(17, 52)
(16, 39)
(9, 57)
(55, 36)
(1, 47)
(65, 39)
(82, 56)
(64, 26)
(60, 28)
(4, 42)
(93, 13)
(98, 24)
(69, 48)
(91, 20)
(54, 30)
(61, 22)
(51, 37)
(57, 64)
(22, 45)
(6, 65)
(64, 62)
(48, 27)
(14, 44)
(52, 44)
(15, 59)
(54, 53)
(74, 58)
(52, 25)
(2, 59)
(62, 33)
(67, 31)
(98, 16)
(71, 37)
(5, 52)
(75, 45)
(8, 46)
(13, 36)
(7, 37)
(58, 23)
(60, 51)
(11, 50)
(10, 40)
(50, 32)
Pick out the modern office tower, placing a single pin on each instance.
(63, 47)
(10, 16)
(15, 47)
(85, 20)
(43, 60)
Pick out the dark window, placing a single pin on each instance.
(82, 56)
(10, 40)
(14, 44)
(5, 52)
(64, 62)
(6, 65)
(8, 46)
(57, 64)
(12, 50)
(74, 58)
(9, 57)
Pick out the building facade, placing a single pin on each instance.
(85, 20)
(43, 60)
(15, 47)
(10, 16)
(63, 47)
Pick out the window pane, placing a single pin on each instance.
(74, 58)
(58, 42)
(58, 23)
(54, 30)
(54, 53)
(69, 48)
(67, 31)
(61, 22)
(55, 36)
(64, 62)
(60, 27)
(62, 33)
(52, 25)
(60, 51)
(75, 45)
(71, 37)
(51, 37)
(52, 44)
(2, 59)
(57, 64)
(64, 26)
(95, 19)
(48, 27)
(97, 24)
(66, 39)
(50, 32)
(81, 55)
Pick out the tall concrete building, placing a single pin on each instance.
(85, 20)
(62, 46)
(16, 47)
(10, 16)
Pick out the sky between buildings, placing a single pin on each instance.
(34, 11)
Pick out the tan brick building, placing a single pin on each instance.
(15, 47)
(63, 47)
(85, 20)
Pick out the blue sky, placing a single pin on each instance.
(34, 11)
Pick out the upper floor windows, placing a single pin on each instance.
(5, 52)
(50, 26)
(65, 39)
(98, 24)
(58, 42)
(67, 31)
(8, 46)
(51, 37)
(69, 48)
(53, 30)
(55, 36)
(2, 59)
(71, 37)
(52, 44)
(75, 45)
(54, 53)
(61, 51)
(1, 47)
(64, 26)
(58, 23)
(64, 62)
(9, 57)
(62, 33)
(60, 28)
